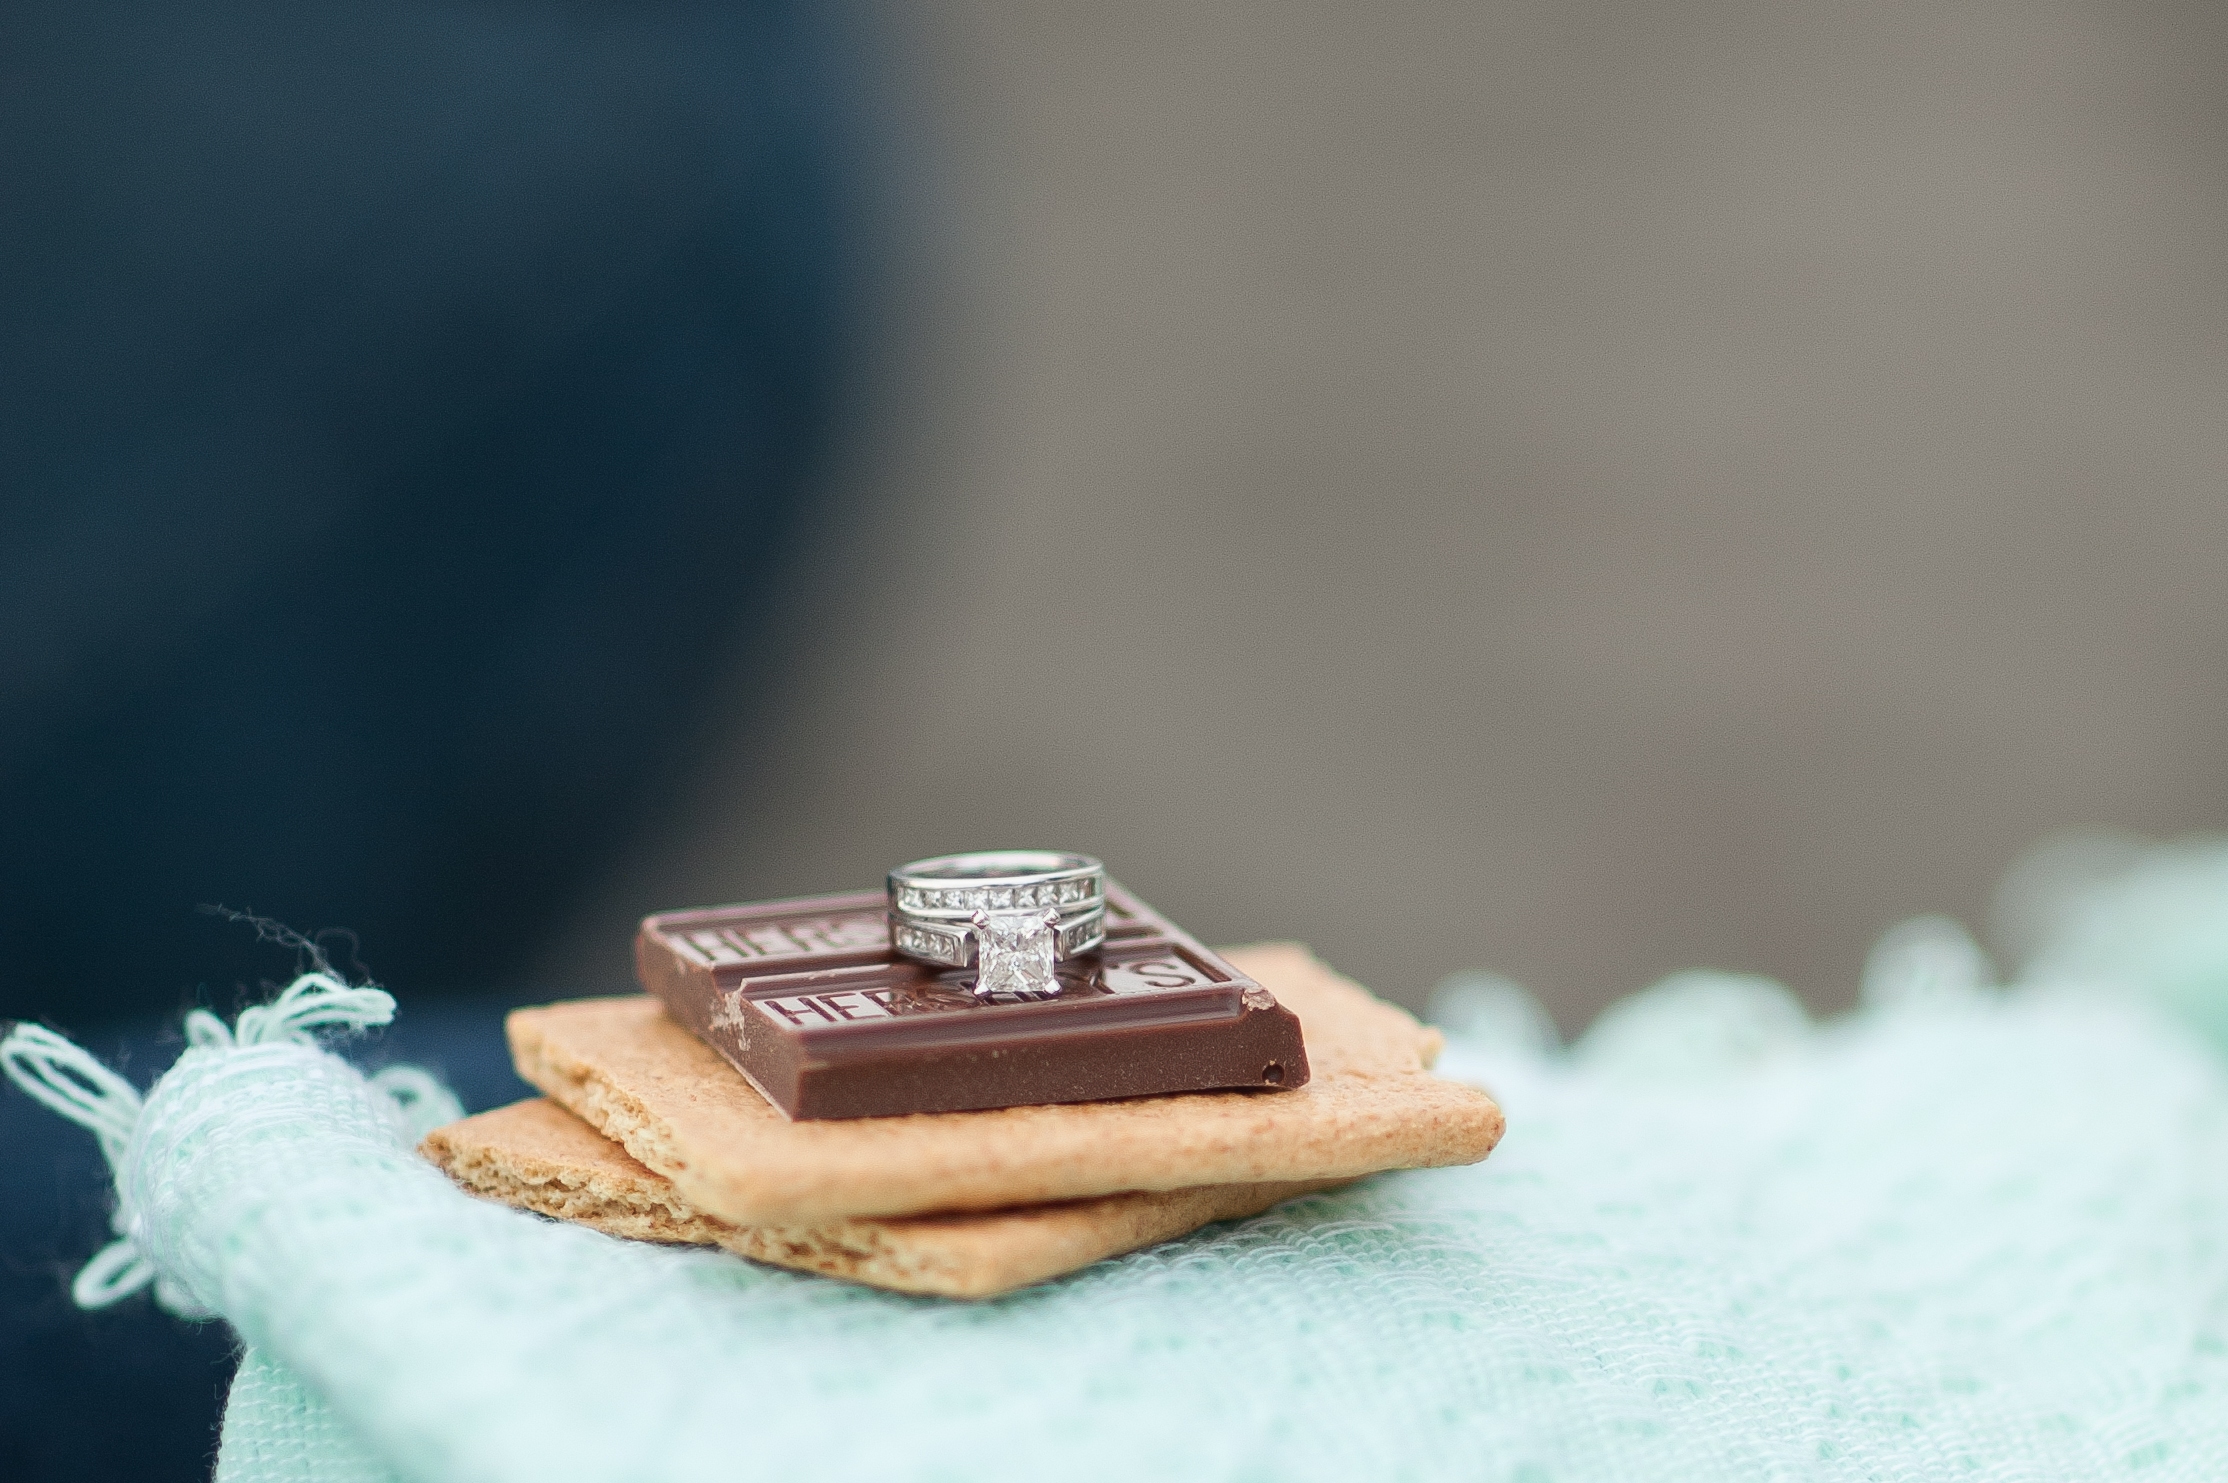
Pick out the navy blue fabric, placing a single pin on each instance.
(402, 409)
(404, 406)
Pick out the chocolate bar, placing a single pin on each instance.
(807, 999)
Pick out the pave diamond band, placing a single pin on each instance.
(952, 888)
(966, 900)
(952, 944)
(1010, 914)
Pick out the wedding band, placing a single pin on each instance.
(1009, 913)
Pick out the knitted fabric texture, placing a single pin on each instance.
(1964, 1232)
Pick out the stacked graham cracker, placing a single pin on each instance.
(646, 1132)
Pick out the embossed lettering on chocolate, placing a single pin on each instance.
(807, 1000)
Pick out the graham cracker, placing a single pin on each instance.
(537, 1156)
(677, 1107)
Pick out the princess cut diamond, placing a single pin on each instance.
(1013, 952)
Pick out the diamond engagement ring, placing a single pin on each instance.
(1010, 914)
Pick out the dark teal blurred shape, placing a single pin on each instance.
(402, 408)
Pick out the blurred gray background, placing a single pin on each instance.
(1579, 489)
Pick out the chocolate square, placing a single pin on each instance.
(807, 1000)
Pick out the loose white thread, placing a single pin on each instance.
(425, 1104)
(58, 1073)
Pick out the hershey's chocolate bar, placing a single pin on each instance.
(807, 999)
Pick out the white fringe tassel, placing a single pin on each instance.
(60, 1074)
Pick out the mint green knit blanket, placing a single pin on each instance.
(1966, 1232)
